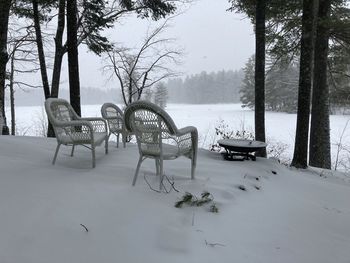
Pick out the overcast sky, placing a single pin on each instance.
(213, 39)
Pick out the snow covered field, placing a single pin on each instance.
(280, 127)
(70, 212)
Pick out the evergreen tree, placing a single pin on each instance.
(260, 74)
(282, 86)
(339, 77)
(248, 84)
(161, 95)
(320, 147)
(215, 87)
(73, 60)
(305, 76)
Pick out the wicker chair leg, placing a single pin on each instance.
(124, 139)
(72, 152)
(161, 173)
(157, 166)
(106, 145)
(193, 167)
(93, 156)
(117, 140)
(137, 171)
(109, 135)
(56, 152)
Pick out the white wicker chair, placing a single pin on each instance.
(115, 119)
(71, 129)
(158, 137)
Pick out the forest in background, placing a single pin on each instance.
(214, 87)
(194, 89)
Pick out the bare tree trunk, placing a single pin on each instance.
(320, 149)
(41, 54)
(260, 74)
(130, 90)
(4, 18)
(305, 80)
(73, 59)
(59, 50)
(12, 96)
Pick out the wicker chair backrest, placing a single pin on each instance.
(58, 111)
(150, 123)
(114, 115)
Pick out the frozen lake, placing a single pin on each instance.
(280, 127)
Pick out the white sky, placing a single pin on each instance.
(213, 39)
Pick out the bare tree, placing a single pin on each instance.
(91, 18)
(4, 19)
(138, 70)
(23, 60)
(73, 59)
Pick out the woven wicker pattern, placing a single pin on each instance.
(70, 129)
(158, 137)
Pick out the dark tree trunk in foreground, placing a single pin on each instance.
(12, 96)
(260, 74)
(41, 53)
(320, 148)
(59, 52)
(4, 19)
(305, 79)
(73, 63)
(42, 61)
(59, 49)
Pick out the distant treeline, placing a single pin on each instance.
(215, 87)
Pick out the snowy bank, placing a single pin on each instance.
(70, 212)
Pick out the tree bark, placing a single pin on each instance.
(4, 18)
(320, 149)
(73, 59)
(59, 50)
(41, 53)
(305, 80)
(12, 96)
(260, 74)
(42, 61)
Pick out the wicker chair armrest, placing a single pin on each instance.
(186, 130)
(77, 129)
(113, 118)
(98, 124)
(74, 123)
(188, 137)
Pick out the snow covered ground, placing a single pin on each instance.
(283, 215)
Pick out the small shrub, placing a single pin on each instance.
(192, 200)
(275, 149)
(224, 132)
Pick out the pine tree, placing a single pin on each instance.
(247, 88)
(304, 91)
(320, 148)
(260, 74)
(161, 95)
